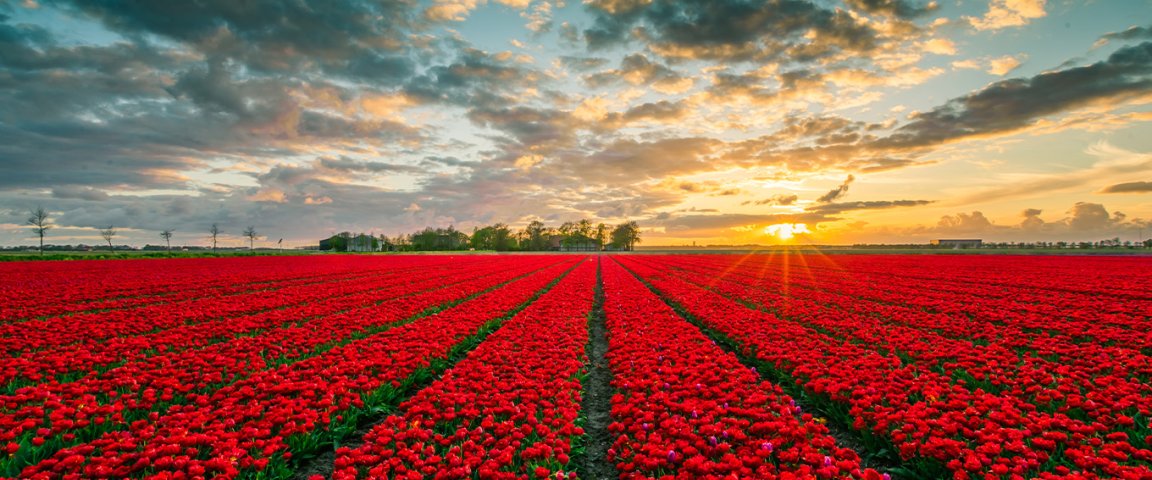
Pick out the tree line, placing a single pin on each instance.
(40, 221)
(582, 235)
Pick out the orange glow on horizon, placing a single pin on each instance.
(786, 231)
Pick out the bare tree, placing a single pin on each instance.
(108, 233)
(38, 218)
(250, 232)
(215, 232)
(167, 236)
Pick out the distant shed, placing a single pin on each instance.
(958, 243)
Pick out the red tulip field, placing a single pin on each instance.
(578, 366)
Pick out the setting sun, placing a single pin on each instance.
(785, 231)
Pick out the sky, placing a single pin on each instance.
(707, 122)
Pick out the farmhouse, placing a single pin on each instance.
(575, 243)
(959, 243)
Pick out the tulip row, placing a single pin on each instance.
(93, 328)
(258, 423)
(686, 408)
(1055, 374)
(319, 300)
(101, 286)
(87, 409)
(1091, 315)
(927, 415)
(509, 409)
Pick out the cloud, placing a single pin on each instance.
(539, 17)
(1091, 217)
(732, 30)
(1131, 33)
(582, 64)
(836, 208)
(837, 192)
(662, 111)
(898, 8)
(779, 199)
(964, 223)
(1003, 65)
(940, 46)
(1032, 221)
(636, 69)
(451, 10)
(345, 164)
(1129, 187)
(474, 77)
(1013, 104)
(1008, 13)
(79, 192)
(266, 35)
(1112, 162)
(688, 223)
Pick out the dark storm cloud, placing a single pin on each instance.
(1129, 187)
(837, 192)
(728, 29)
(840, 207)
(1012, 104)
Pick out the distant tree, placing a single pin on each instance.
(108, 233)
(567, 229)
(584, 228)
(424, 240)
(250, 232)
(214, 231)
(536, 236)
(502, 240)
(601, 234)
(167, 236)
(38, 219)
(626, 235)
(482, 238)
(403, 242)
(493, 237)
